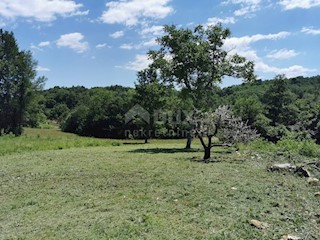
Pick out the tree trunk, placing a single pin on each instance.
(146, 140)
(207, 148)
(189, 141)
(207, 153)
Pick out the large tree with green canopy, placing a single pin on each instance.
(17, 75)
(196, 61)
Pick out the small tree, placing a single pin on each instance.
(281, 108)
(222, 124)
(151, 95)
(279, 99)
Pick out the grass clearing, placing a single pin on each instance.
(152, 191)
(47, 139)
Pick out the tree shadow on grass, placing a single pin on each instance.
(164, 150)
(217, 159)
(221, 155)
(133, 143)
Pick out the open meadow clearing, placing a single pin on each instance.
(104, 189)
(131, 119)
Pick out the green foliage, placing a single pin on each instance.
(248, 108)
(101, 115)
(75, 121)
(309, 149)
(305, 148)
(157, 99)
(108, 105)
(279, 99)
(59, 112)
(289, 106)
(195, 60)
(261, 145)
(35, 111)
(17, 74)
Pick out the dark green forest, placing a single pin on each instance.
(277, 108)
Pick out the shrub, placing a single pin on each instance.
(309, 149)
(261, 144)
(289, 144)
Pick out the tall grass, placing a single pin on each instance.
(47, 139)
(305, 148)
(54, 139)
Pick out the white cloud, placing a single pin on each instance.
(73, 41)
(241, 43)
(282, 54)
(40, 10)
(139, 63)
(44, 44)
(40, 46)
(214, 20)
(127, 46)
(245, 10)
(130, 12)
(102, 45)
(292, 71)
(247, 7)
(34, 47)
(305, 4)
(242, 46)
(311, 30)
(117, 34)
(42, 69)
(150, 43)
(145, 44)
(153, 30)
(150, 35)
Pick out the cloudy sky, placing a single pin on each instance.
(101, 43)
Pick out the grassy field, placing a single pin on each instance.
(61, 186)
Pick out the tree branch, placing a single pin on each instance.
(202, 141)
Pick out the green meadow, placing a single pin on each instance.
(55, 185)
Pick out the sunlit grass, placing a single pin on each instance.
(152, 191)
(54, 139)
(46, 139)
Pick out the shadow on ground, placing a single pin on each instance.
(163, 150)
(133, 143)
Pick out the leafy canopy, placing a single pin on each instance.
(196, 59)
(17, 74)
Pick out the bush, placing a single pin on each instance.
(309, 149)
(289, 144)
(306, 148)
(261, 144)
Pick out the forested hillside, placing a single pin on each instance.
(276, 108)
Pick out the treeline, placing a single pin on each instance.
(277, 108)
(280, 107)
(182, 79)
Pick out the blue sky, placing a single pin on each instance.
(102, 43)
